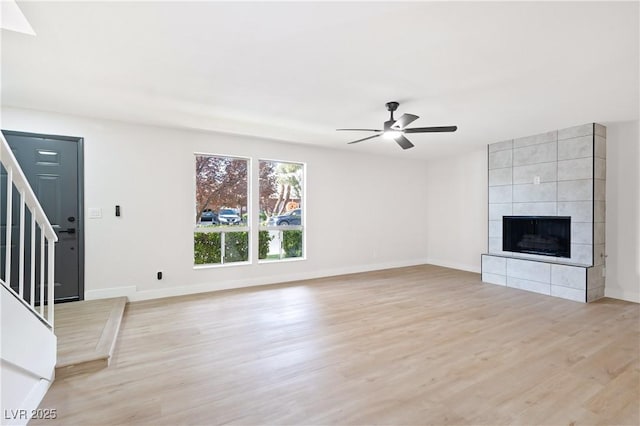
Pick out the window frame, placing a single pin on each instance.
(280, 228)
(224, 229)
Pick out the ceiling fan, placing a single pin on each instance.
(395, 129)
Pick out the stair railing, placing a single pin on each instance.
(27, 201)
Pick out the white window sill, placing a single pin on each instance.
(220, 265)
(287, 259)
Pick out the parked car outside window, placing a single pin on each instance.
(294, 217)
(229, 217)
(209, 216)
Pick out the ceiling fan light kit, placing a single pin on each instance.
(396, 129)
(392, 134)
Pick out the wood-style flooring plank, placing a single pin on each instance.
(416, 345)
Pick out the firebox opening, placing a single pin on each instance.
(545, 235)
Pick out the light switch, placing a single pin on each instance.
(95, 213)
(536, 180)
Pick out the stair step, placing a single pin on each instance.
(87, 332)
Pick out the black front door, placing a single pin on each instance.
(52, 166)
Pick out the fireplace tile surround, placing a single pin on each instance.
(557, 173)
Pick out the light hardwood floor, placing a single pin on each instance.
(418, 345)
(87, 333)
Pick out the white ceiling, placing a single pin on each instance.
(297, 71)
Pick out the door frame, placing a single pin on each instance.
(80, 196)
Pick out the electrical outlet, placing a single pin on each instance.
(536, 180)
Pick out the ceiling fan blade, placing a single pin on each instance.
(404, 121)
(359, 130)
(431, 129)
(403, 142)
(364, 139)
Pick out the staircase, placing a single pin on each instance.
(28, 345)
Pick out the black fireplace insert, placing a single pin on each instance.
(546, 235)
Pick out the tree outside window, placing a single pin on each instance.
(221, 214)
(281, 210)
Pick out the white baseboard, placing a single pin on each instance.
(134, 295)
(455, 265)
(615, 293)
(107, 293)
(21, 416)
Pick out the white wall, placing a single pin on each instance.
(457, 189)
(149, 172)
(457, 209)
(623, 211)
(352, 199)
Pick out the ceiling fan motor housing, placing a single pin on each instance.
(388, 124)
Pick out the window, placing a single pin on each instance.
(222, 227)
(281, 210)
